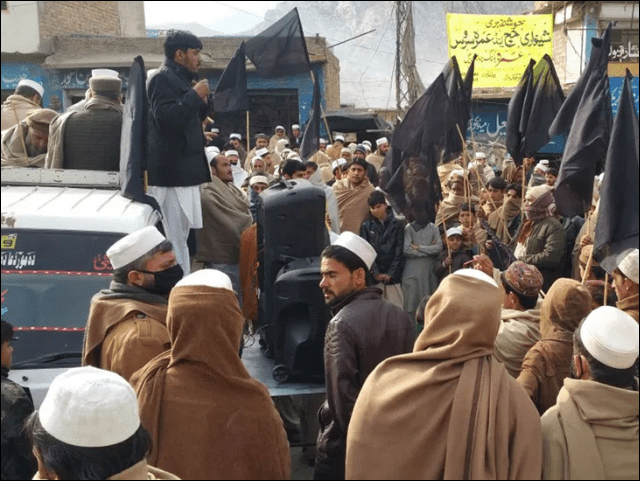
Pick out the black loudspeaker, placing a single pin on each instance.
(292, 315)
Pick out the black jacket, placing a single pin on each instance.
(176, 140)
(364, 331)
(17, 460)
(458, 259)
(387, 238)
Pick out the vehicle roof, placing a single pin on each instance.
(73, 209)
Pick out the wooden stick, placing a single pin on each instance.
(606, 290)
(590, 261)
(324, 117)
(248, 134)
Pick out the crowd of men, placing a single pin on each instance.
(484, 343)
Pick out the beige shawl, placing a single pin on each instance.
(519, 332)
(13, 148)
(450, 207)
(353, 203)
(591, 433)
(499, 219)
(225, 216)
(447, 410)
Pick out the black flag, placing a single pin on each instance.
(532, 109)
(458, 108)
(311, 139)
(617, 229)
(599, 59)
(133, 141)
(412, 182)
(231, 92)
(588, 139)
(280, 50)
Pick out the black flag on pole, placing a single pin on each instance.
(458, 107)
(532, 109)
(133, 141)
(588, 138)
(413, 183)
(599, 59)
(617, 230)
(280, 50)
(231, 91)
(311, 139)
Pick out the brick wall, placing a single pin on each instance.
(78, 18)
(331, 71)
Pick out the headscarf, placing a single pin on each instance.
(464, 415)
(541, 205)
(207, 417)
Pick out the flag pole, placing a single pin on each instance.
(324, 117)
(248, 134)
(606, 290)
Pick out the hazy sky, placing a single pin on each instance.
(225, 17)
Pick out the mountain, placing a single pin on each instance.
(367, 63)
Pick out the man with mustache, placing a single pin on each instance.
(364, 331)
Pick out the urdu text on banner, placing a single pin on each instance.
(504, 45)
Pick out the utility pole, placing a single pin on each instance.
(408, 84)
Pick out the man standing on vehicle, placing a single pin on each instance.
(127, 322)
(177, 163)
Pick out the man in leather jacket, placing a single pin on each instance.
(364, 331)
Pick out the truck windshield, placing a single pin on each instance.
(48, 280)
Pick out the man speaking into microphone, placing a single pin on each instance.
(177, 162)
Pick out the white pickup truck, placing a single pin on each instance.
(56, 227)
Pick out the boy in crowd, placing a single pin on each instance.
(454, 257)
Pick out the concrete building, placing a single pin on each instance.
(58, 43)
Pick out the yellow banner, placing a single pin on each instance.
(504, 45)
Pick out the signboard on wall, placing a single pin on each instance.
(504, 45)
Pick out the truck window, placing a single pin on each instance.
(48, 280)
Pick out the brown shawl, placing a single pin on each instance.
(447, 410)
(249, 272)
(13, 148)
(353, 203)
(107, 312)
(207, 417)
(499, 219)
(225, 216)
(547, 364)
(450, 207)
(630, 306)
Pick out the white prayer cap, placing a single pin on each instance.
(295, 126)
(215, 130)
(134, 246)
(207, 277)
(90, 408)
(339, 137)
(629, 266)
(454, 231)
(104, 72)
(475, 274)
(481, 155)
(611, 336)
(258, 179)
(211, 152)
(25, 82)
(279, 127)
(381, 141)
(235, 136)
(262, 152)
(323, 141)
(544, 162)
(366, 142)
(338, 163)
(358, 246)
(542, 167)
(456, 172)
(257, 157)
(345, 150)
(473, 165)
(231, 152)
